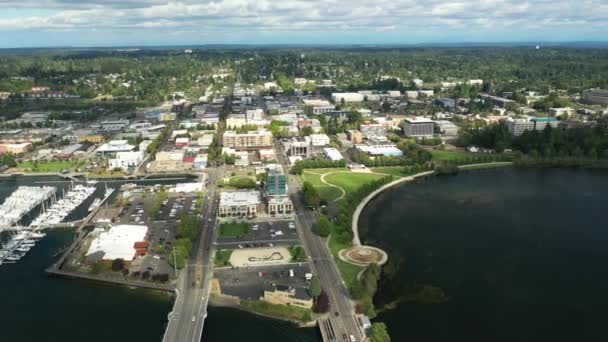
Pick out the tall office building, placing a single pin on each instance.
(276, 182)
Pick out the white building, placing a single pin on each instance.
(386, 150)
(447, 128)
(347, 97)
(126, 160)
(279, 205)
(427, 93)
(239, 203)
(270, 85)
(319, 140)
(411, 94)
(475, 82)
(117, 243)
(332, 154)
(113, 147)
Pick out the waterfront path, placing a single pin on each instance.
(357, 213)
(366, 200)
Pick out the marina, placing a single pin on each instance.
(21, 202)
(17, 245)
(60, 209)
(98, 201)
(20, 240)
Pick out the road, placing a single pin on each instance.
(341, 315)
(186, 321)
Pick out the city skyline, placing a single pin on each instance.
(53, 23)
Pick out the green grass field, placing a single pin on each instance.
(234, 229)
(450, 155)
(396, 171)
(326, 192)
(53, 166)
(350, 181)
(222, 258)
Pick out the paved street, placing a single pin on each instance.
(342, 312)
(186, 321)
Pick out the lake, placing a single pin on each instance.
(519, 254)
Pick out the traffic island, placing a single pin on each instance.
(363, 255)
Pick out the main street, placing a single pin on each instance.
(341, 311)
(186, 321)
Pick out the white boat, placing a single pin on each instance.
(95, 204)
(23, 249)
(59, 210)
(14, 257)
(36, 235)
(21, 202)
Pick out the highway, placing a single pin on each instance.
(341, 316)
(186, 320)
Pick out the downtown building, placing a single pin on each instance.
(247, 141)
(418, 128)
(277, 192)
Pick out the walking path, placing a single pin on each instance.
(355, 224)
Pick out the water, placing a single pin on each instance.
(520, 254)
(35, 307)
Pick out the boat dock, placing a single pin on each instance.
(21, 202)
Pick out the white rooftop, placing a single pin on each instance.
(418, 120)
(118, 242)
(240, 198)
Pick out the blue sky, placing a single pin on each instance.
(27, 23)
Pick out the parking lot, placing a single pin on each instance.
(174, 207)
(263, 234)
(249, 283)
(161, 232)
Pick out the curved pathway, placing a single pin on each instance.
(357, 213)
(333, 185)
(355, 224)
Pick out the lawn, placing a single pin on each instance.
(326, 192)
(283, 311)
(52, 166)
(222, 258)
(396, 171)
(348, 271)
(350, 181)
(450, 155)
(235, 229)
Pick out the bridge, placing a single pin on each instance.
(187, 318)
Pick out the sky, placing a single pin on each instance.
(47, 23)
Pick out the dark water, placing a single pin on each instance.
(35, 307)
(522, 255)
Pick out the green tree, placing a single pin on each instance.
(323, 226)
(315, 287)
(311, 196)
(379, 332)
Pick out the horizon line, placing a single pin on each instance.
(431, 44)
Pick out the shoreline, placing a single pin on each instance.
(355, 222)
(223, 301)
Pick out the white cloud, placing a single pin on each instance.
(248, 17)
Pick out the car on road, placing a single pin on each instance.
(352, 338)
(193, 318)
